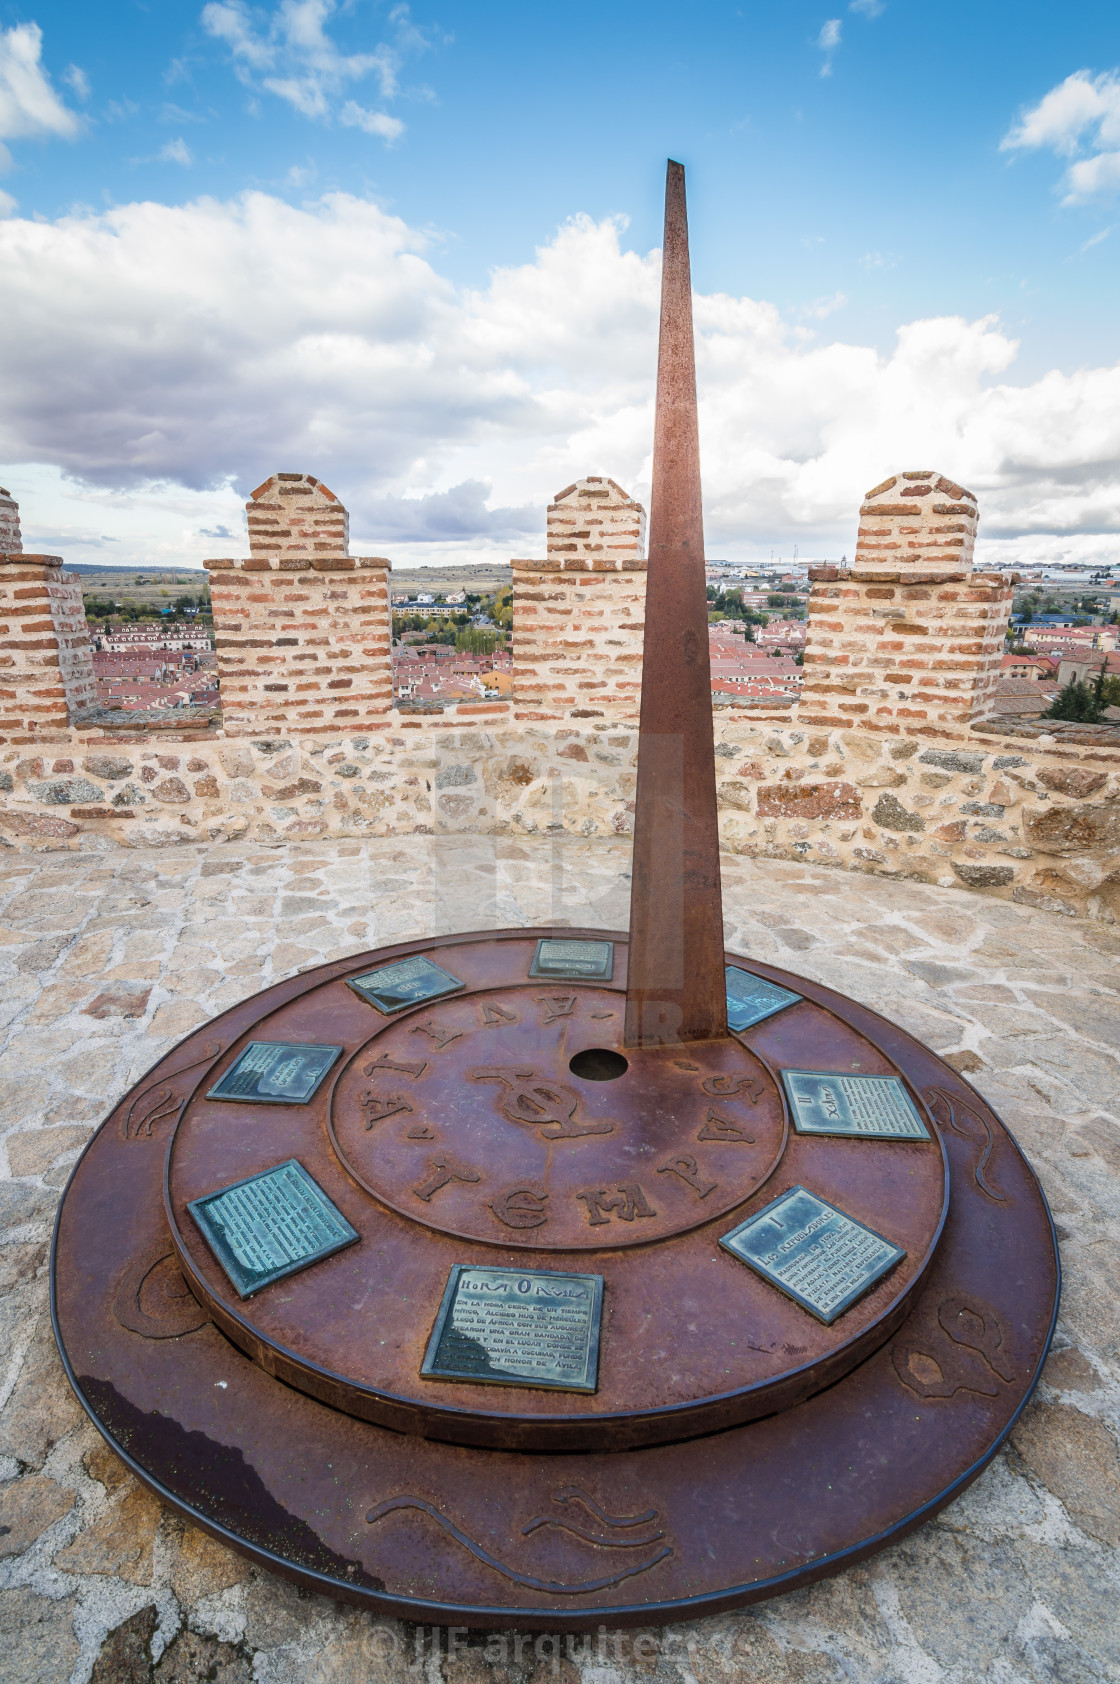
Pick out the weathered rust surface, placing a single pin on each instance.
(456, 1133)
(676, 989)
(431, 1530)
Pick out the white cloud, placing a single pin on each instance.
(176, 152)
(828, 40)
(167, 358)
(7, 203)
(1095, 239)
(822, 307)
(289, 53)
(355, 116)
(1080, 115)
(29, 105)
(76, 78)
(869, 8)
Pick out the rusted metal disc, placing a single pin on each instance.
(492, 1536)
(462, 1118)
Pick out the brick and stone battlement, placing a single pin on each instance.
(889, 764)
(908, 636)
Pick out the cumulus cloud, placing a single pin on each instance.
(28, 103)
(172, 356)
(290, 53)
(1079, 120)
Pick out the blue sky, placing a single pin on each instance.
(853, 171)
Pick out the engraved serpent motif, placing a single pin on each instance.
(530, 1581)
(935, 1096)
(164, 1103)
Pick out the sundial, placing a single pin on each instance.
(562, 1277)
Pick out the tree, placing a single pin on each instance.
(477, 640)
(1075, 701)
(1085, 701)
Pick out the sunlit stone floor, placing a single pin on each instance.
(110, 958)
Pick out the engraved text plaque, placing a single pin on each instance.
(405, 983)
(270, 1225)
(533, 1327)
(821, 1258)
(592, 959)
(278, 1072)
(751, 998)
(876, 1107)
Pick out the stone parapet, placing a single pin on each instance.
(889, 765)
(1036, 822)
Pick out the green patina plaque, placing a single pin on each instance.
(270, 1225)
(406, 982)
(277, 1072)
(751, 998)
(556, 957)
(871, 1107)
(811, 1251)
(518, 1327)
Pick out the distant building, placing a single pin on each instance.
(161, 639)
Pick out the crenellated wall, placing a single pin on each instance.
(889, 765)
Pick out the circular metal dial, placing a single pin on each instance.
(456, 1133)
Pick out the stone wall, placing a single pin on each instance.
(913, 782)
(1037, 822)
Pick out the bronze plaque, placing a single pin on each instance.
(751, 998)
(815, 1254)
(561, 958)
(514, 1327)
(276, 1072)
(270, 1225)
(407, 982)
(874, 1107)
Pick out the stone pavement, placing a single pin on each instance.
(109, 958)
